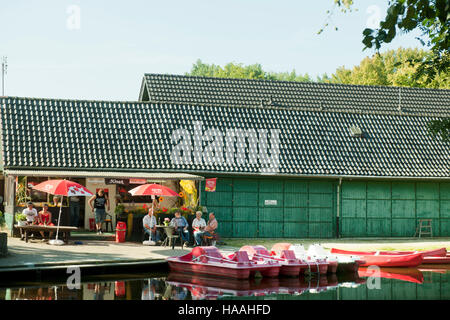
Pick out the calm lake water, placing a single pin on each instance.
(391, 284)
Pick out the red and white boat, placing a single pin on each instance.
(290, 265)
(384, 260)
(209, 261)
(441, 252)
(318, 265)
(435, 256)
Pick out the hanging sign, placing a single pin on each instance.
(96, 180)
(124, 182)
(210, 184)
(137, 181)
(270, 202)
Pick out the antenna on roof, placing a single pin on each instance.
(4, 68)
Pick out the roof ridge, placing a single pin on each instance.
(296, 82)
(269, 107)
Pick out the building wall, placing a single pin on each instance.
(392, 208)
(307, 208)
(269, 208)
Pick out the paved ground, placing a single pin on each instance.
(92, 251)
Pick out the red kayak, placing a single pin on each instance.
(399, 260)
(209, 261)
(289, 264)
(436, 260)
(442, 252)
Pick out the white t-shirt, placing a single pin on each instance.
(196, 224)
(150, 221)
(31, 214)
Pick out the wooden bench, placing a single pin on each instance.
(64, 230)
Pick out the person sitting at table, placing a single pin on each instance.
(181, 226)
(149, 223)
(45, 219)
(32, 216)
(198, 225)
(209, 229)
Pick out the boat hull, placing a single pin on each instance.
(409, 260)
(442, 252)
(207, 269)
(347, 267)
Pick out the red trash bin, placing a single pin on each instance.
(92, 224)
(121, 231)
(119, 288)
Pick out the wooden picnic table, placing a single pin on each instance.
(65, 230)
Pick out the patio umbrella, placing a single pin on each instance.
(62, 188)
(153, 189)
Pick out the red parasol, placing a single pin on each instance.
(62, 188)
(153, 190)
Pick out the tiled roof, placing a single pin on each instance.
(314, 96)
(110, 136)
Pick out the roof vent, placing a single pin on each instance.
(356, 131)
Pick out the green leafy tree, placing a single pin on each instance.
(391, 68)
(432, 19)
(241, 71)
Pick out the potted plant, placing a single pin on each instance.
(21, 218)
(2, 220)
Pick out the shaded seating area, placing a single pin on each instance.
(64, 230)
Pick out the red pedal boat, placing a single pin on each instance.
(315, 265)
(398, 260)
(290, 265)
(209, 261)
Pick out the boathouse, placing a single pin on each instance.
(303, 160)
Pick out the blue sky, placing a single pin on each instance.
(104, 54)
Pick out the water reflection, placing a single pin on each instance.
(396, 283)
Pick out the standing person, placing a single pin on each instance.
(149, 223)
(99, 208)
(181, 226)
(198, 225)
(74, 204)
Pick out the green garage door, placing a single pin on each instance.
(393, 209)
(274, 208)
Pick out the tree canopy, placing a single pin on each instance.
(432, 18)
(391, 68)
(241, 71)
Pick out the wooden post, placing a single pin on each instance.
(10, 199)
